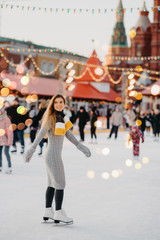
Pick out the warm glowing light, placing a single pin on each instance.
(132, 33)
(133, 94)
(138, 122)
(6, 82)
(129, 163)
(139, 96)
(118, 99)
(105, 175)
(28, 122)
(34, 98)
(98, 71)
(155, 90)
(91, 174)
(2, 132)
(145, 160)
(71, 73)
(115, 174)
(69, 80)
(20, 69)
(69, 65)
(105, 151)
(71, 87)
(21, 110)
(98, 124)
(130, 87)
(138, 166)
(12, 127)
(24, 80)
(4, 92)
(13, 85)
(131, 76)
(138, 68)
(129, 144)
(21, 126)
(132, 81)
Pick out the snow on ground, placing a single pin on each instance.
(122, 208)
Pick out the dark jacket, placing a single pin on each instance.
(83, 117)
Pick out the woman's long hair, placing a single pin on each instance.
(49, 117)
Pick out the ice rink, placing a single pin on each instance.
(110, 196)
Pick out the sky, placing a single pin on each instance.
(68, 31)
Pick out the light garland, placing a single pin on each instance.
(124, 58)
(73, 10)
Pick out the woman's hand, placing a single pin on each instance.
(84, 149)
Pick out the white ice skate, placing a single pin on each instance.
(48, 214)
(60, 216)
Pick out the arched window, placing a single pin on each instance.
(44, 66)
(51, 67)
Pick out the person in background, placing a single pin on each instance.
(156, 125)
(6, 139)
(109, 113)
(34, 125)
(57, 125)
(131, 117)
(73, 116)
(142, 123)
(18, 118)
(83, 117)
(135, 135)
(93, 119)
(116, 121)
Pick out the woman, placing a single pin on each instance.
(6, 139)
(57, 125)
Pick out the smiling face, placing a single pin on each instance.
(59, 104)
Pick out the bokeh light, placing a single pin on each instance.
(98, 71)
(138, 68)
(6, 82)
(139, 96)
(4, 92)
(13, 85)
(21, 126)
(132, 81)
(105, 151)
(21, 110)
(138, 166)
(132, 33)
(98, 124)
(138, 122)
(90, 174)
(1, 102)
(2, 132)
(145, 160)
(12, 127)
(105, 175)
(115, 174)
(20, 69)
(129, 163)
(25, 80)
(155, 90)
(118, 99)
(28, 122)
(34, 98)
(131, 76)
(133, 94)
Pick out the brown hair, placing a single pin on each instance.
(49, 117)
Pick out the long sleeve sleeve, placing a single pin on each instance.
(79, 145)
(28, 155)
(71, 138)
(9, 132)
(40, 136)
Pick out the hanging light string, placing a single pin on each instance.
(51, 50)
(74, 10)
(88, 66)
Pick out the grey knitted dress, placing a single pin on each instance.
(53, 156)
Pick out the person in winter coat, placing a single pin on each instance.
(116, 120)
(142, 119)
(135, 135)
(109, 111)
(6, 138)
(93, 119)
(156, 124)
(34, 125)
(83, 119)
(18, 120)
(131, 117)
(57, 125)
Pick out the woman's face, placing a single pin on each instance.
(59, 104)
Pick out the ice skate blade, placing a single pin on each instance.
(59, 221)
(47, 218)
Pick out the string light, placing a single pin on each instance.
(70, 10)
